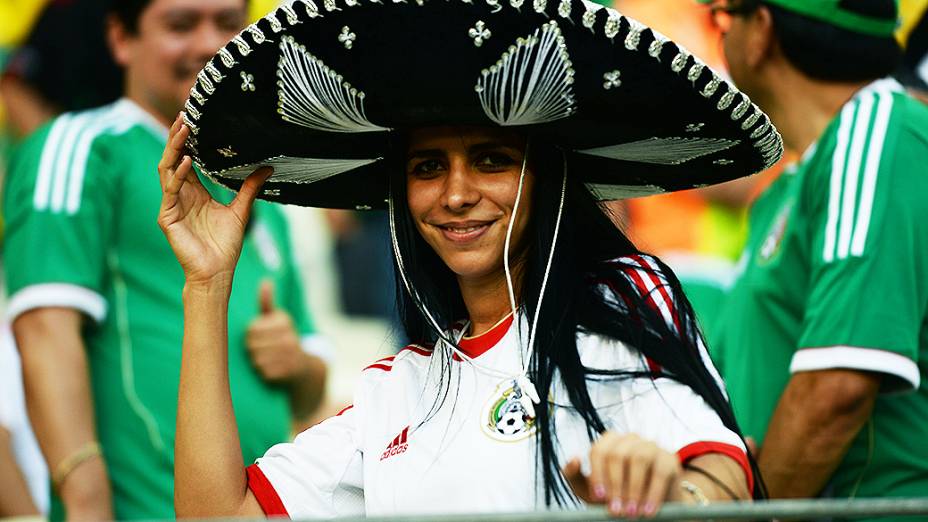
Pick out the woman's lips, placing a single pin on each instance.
(464, 233)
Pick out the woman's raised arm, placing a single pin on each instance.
(206, 236)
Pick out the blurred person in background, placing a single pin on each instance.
(913, 33)
(700, 232)
(95, 298)
(824, 340)
(63, 65)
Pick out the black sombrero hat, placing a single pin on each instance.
(317, 91)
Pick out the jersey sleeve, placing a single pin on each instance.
(659, 409)
(318, 475)
(868, 279)
(650, 283)
(58, 208)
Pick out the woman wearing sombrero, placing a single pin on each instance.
(556, 363)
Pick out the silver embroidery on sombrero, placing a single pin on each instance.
(227, 59)
(346, 37)
(276, 26)
(312, 10)
(609, 192)
(663, 151)
(654, 50)
(290, 169)
(531, 83)
(752, 119)
(589, 15)
(479, 33)
(540, 6)
(633, 38)
(256, 34)
(196, 95)
(613, 24)
(314, 96)
(213, 71)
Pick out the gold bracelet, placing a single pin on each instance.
(695, 491)
(72, 461)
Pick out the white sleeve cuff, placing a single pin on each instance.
(865, 359)
(63, 295)
(318, 345)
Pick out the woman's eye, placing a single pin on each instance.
(426, 168)
(495, 160)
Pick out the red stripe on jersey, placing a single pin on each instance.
(346, 408)
(264, 492)
(637, 276)
(386, 359)
(653, 366)
(696, 449)
(404, 434)
(383, 367)
(633, 274)
(661, 287)
(415, 348)
(477, 346)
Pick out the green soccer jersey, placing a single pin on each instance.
(836, 276)
(81, 204)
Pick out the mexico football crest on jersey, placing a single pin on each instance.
(771, 245)
(504, 418)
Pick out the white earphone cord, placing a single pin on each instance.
(529, 392)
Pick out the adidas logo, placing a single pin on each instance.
(399, 445)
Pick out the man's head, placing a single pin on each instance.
(163, 44)
(840, 41)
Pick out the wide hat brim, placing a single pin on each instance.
(320, 91)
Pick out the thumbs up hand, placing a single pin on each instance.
(272, 340)
(266, 297)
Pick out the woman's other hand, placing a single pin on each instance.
(631, 475)
(206, 235)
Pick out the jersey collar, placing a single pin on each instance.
(479, 344)
(135, 111)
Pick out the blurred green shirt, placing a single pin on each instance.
(81, 203)
(836, 276)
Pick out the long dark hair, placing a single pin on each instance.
(587, 247)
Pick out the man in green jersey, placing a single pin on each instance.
(95, 292)
(824, 340)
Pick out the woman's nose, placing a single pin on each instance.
(460, 190)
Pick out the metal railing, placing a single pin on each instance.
(762, 510)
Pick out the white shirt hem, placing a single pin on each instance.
(63, 295)
(855, 358)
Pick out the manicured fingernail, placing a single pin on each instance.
(599, 491)
(631, 509)
(615, 506)
(649, 508)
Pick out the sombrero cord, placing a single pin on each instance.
(530, 395)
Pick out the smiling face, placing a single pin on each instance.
(461, 188)
(173, 40)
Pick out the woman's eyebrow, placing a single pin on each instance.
(491, 145)
(425, 153)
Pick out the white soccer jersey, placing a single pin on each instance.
(381, 457)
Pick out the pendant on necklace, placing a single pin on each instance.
(505, 417)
